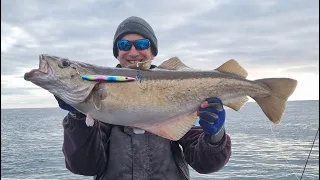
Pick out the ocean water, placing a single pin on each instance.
(31, 143)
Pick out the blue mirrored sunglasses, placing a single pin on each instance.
(140, 44)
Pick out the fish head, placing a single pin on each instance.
(61, 77)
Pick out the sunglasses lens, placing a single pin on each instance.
(141, 44)
(124, 45)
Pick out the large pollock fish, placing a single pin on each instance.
(166, 99)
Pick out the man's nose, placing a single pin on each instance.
(133, 52)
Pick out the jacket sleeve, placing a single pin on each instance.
(201, 155)
(85, 147)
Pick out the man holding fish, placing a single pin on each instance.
(109, 151)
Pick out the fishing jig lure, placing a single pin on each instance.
(107, 78)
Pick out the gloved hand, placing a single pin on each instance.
(212, 116)
(66, 106)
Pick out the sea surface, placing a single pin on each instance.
(31, 143)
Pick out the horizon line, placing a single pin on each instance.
(51, 107)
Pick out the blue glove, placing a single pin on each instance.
(212, 117)
(66, 106)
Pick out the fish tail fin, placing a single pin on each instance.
(274, 105)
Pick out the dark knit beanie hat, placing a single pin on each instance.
(135, 25)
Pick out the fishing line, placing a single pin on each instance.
(139, 76)
(95, 106)
(309, 153)
(77, 72)
(282, 150)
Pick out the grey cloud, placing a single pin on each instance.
(245, 24)
(269, 34)
(12, 62)
(314, 69)
(273, 36)
(14, 91)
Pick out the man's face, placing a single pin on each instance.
(131, 57)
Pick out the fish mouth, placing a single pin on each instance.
(44, 69)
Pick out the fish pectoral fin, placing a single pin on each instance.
(236, 103)
(96, 101)
(89, 120)
(233, 67)
(173, 63)
(98, 94)
(172, 129)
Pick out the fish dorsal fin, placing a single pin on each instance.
(173, 63)
(233, 67)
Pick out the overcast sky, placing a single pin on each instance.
(269, 38)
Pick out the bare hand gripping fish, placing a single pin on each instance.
(166, 100)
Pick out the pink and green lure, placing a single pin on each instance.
(108, 78)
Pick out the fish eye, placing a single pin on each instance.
(64, 63)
